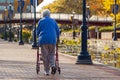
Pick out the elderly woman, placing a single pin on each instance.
(48, 34)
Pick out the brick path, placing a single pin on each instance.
(18, 63)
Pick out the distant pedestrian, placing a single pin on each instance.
(48, 35)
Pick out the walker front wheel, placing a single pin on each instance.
(59, 70)
(37, 69)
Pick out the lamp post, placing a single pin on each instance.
(84, 57)
(115, 12)
(10, 16)
(34, 45)
(73, 22)
(20, 41)
(5, 17)
(88, 16)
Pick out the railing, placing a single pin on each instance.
(59, 16)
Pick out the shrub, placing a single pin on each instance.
(71, 42)
(2, 35)
(106, 29)
(26, 35)
(92, 28)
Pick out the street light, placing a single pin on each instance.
(115, 12)
(88, 16)
(20, 41)
(10, 17)
(84, 57)
(73, 22)
(34, 45)
(5, 17)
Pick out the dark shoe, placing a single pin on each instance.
(53, 70)
(47, 74)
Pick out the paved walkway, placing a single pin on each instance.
(19, 62)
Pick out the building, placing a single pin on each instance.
(4, 4)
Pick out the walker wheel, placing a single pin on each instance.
(59, 71)
(37, 69)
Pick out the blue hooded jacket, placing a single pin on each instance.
(47, 31)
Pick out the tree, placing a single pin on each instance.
(65, 6)
(108, 3)
(108, 7)
(96, 7)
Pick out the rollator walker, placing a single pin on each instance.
(39, 60)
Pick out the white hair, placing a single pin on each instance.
(45, 13)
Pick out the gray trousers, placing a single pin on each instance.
(48, 55)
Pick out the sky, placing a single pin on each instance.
(45, 2)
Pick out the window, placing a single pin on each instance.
(2, 7)
(2, 1)
(10, 1)
(28, 8)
